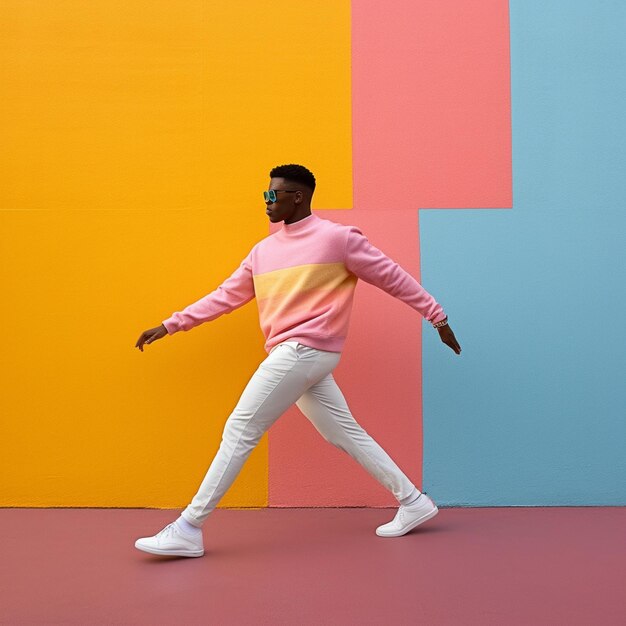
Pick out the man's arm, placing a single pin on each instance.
(375, 267)
(233, 293)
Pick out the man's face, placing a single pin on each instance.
(287, 193)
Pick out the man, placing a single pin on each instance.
(303, 277)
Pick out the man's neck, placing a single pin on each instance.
(295, 219)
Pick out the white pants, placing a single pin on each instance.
(292, 373)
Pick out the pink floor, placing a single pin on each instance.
(502, 566)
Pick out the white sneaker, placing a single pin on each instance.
(408, 517)
(171, 541)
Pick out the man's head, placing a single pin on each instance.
(291, 189)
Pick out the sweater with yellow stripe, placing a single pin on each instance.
(303, 277)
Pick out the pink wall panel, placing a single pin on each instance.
(379, 374)
(431, 104)
(431, 128)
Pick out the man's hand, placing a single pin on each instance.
(447, 336)
(148, 336)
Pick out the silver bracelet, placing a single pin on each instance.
(443, 322)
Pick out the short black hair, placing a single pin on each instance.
(295, 173)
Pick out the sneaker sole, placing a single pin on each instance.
(411, 526)
(160, 552)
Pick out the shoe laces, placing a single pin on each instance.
(168, 530)
(403, 508)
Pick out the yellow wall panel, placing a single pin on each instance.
(136, 104)
(137, 139)
(87, 418)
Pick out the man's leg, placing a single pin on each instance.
(287, 372)
(326, 408)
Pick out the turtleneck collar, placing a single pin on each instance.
(300, 224)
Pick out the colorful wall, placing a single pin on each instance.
(477, 143)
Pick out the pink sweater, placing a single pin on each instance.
(303, 277)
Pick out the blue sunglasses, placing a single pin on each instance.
(270, 196)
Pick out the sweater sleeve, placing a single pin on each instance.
(234, 292)
(373, 266)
